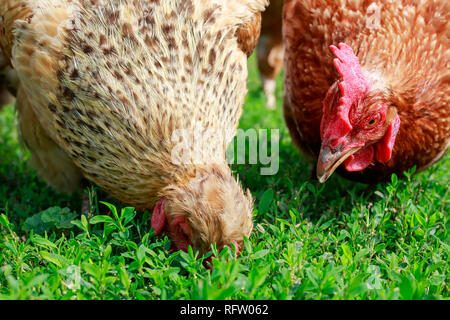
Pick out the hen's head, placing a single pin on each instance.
(359, 125)
(210, 208)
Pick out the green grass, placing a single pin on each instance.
(339, 240)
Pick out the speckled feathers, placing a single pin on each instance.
(159, 66)
(110, 83)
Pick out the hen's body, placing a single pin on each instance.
(270, 50)
(109, 90)
(401, 45)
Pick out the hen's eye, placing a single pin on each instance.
(372, 123)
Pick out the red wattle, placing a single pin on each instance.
(359, 160)
(159, 219)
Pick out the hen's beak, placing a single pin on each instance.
(330, 159)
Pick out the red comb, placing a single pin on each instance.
(353, 86)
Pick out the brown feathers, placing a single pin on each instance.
(403, 49)
(11, 10)
(248, 34)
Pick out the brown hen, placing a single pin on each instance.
(270, 50)
(120, 92)
(377, 100)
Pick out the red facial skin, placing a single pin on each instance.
(349, 134)
(178, 229)
(181, 233)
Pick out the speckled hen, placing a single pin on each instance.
(109, 90)
(367, 84)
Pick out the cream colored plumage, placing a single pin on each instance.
(107, 85)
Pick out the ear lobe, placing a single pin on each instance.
(181, 222)
(385, 146)
(159, 219)
(181, 233)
